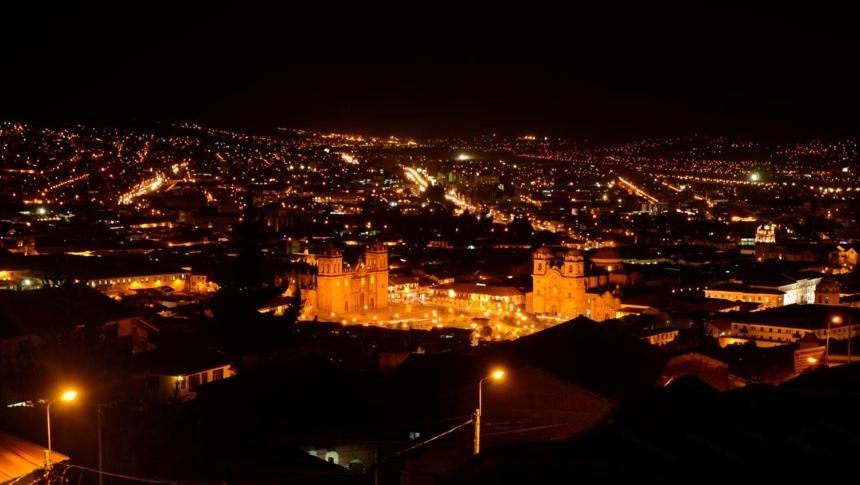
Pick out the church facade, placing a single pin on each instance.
(343, 288)
(561, 288)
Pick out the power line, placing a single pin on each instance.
(428, 440)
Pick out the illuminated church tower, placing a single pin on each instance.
(376, 269)
(341, 288)
(558, 289)
(332, 283)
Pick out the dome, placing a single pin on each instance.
(376, 247)
(543, 252)
(331, 251)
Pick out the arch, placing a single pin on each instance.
(371, 302)
(332, 457)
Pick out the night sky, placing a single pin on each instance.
(429, 70)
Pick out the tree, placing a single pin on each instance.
(294, 311)
(247, 283)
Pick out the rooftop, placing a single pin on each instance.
(742, 288)
(57, 309)
(812, 317)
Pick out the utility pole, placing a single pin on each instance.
(477, 431)
(496, 375)
(48, 451)
(101, 467)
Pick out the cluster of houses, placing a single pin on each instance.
(126, 306)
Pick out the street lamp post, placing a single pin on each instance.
(837, 320)
(99, 418)
(496, 375)
(69, 395)
(48, 426)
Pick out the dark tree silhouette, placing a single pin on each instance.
(247, 283)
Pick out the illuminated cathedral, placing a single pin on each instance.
(343, 288)
(561, 288)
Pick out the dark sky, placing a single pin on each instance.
(431, 69)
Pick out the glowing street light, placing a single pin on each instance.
(496, 375)
(837, 320)
(67, 396)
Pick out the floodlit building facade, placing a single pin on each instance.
(341, 288)
(560, 288)
(768, 294)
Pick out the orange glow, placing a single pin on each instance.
(498, 374)
(69, 395)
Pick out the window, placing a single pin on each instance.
(204, 377)
(217, 374)
(193, 381)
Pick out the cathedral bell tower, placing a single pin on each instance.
(376, 257)
(574, 264)
(330, 262)
(541, 258)
(332, 284)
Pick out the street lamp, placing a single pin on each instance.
(67, 396)
(834, 320)
(496, 375)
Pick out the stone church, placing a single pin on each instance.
(561, 287)
(343, 288)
